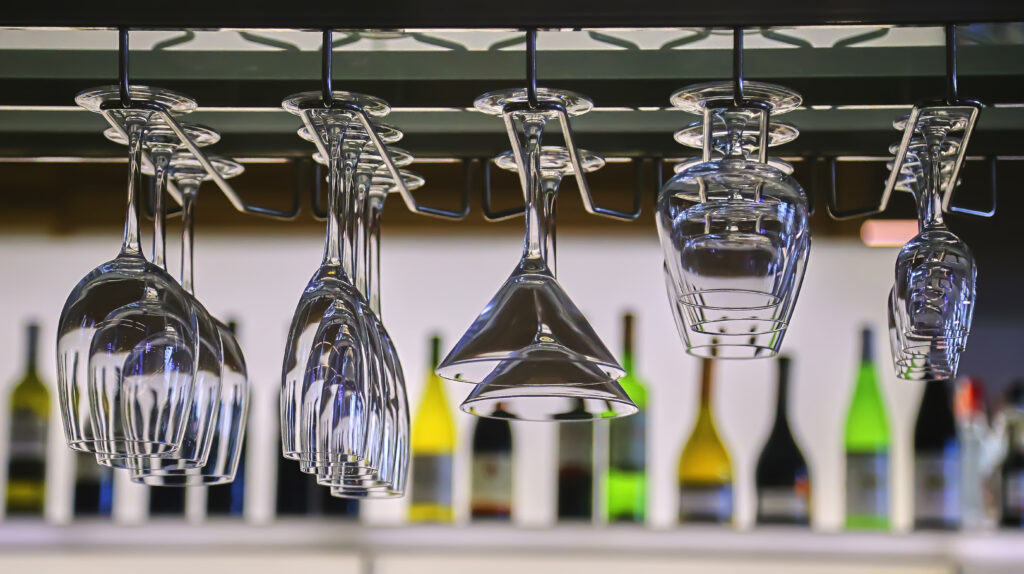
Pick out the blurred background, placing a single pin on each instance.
(62, 186)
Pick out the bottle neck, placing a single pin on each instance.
(867, 347)
(627, 343)
(707, 374)
(32, 349)
(782, 400)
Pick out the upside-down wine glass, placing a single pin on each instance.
(128, 341)
(227, 412)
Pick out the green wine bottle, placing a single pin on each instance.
(626, 485)
(30, 417)
(867, 448)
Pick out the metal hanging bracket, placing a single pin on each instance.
(110, 108)
(953, 106)
(362, 119)
(554, 108)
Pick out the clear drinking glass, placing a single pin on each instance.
(128, 341)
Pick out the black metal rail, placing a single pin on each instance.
(408, 14)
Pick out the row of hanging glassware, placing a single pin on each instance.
(150, 382)
(148, 379)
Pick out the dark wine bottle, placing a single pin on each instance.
(491, 483)
(228, 499)
(30, 418)
(936, 461)
(1012, 494)
(94, 487)
(167, 501)
(575, 466)
(782, 478)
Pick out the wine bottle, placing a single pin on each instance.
(30, 417)
(867, 448)
(229, 499)
(298, 494)
(575, 465)
(94, 487)
(936, 461)
(782, 478)
(705, 470)
(166, 501)
(626, 487)
(433, 447)
(1011, 500)
(491, 482)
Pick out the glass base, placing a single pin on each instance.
(693, 98)
(176, 103)
(374, 107)
(493, 103)
(158, 133)
(779, 133)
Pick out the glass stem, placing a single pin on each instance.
(131, 244)
(359, 235)
(930, 202)
(332, 248)
(188, 197)
(549, 197)
(375, 209)
(349, 216)
(160, 161)
(536, 243)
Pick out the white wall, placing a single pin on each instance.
(440, 283)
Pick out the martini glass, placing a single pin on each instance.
(127, 341)
(531, 322)
(545, 380)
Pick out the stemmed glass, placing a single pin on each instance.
(734, 230)
(328, 369)
(128, 341)
(390, 474)
(544, 381)
(219, 419)
(531, 322)
(932, 301)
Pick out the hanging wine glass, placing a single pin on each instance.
(218, 447)
(127, 341)
(324, 409)
(932, 301)
(389, 476)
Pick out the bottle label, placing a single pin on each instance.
(432, 479)
(28, 435)
(627, 442)
(785, 504)
(936, 488)
(867, 484)
(492, 482)
(705, 503)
